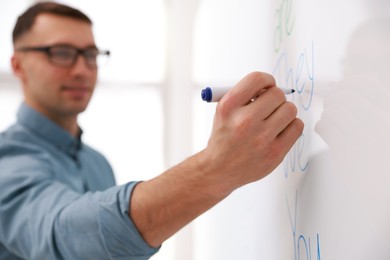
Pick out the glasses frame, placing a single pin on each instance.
(79, 51)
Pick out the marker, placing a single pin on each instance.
(215, 94)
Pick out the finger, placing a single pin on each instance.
(249, 87)
(267, 103)
(287, 138)
(281, 118)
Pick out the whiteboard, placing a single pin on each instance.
(330, 198)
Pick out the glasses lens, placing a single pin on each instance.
(91, 57)
(63, 55)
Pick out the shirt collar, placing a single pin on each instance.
(48, 130)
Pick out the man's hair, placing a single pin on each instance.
(26, 20)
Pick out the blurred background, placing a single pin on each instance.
(147, 114)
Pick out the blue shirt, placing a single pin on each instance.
(58, 198)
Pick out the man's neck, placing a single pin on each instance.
(67, 122)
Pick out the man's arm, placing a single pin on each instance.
(44, 215)
(248, 141)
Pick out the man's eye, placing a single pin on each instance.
(62, 53)
(91, 54)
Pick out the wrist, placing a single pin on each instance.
(211, 180)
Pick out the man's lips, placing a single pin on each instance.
(76, 91)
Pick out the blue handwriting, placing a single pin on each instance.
(301, 240)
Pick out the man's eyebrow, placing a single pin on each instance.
(91, 46)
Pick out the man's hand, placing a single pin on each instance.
(251, 138)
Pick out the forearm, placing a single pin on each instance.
(162, 206)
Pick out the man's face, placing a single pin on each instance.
(54, 90)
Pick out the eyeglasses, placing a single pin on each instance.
(66, 55)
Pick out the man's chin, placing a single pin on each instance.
(76, 109)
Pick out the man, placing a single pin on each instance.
(57, 195)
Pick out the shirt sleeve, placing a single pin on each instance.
(42, 218)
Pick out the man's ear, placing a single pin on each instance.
(17, 67)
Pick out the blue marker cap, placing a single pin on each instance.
(207, 94)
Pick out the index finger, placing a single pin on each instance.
(248, 88)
